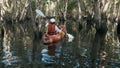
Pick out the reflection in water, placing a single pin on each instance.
(61, 58)
(51, 55)
(8, 57)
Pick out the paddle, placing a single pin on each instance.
(40, 13)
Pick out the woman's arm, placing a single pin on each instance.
(57, 29)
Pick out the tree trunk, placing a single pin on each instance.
(77, 48)
(96, 43)
(1, 39)
(101, 30)
(118, 30)
(36, 35)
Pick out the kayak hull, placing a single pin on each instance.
(49, 39)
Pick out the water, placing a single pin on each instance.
(62, 59)
(17, 57)
(11, 59)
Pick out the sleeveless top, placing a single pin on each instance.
(51, 29)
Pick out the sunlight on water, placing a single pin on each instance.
(9, 57)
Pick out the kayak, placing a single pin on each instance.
(49, 39)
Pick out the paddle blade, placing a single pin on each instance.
(70, 37)
(39, 12)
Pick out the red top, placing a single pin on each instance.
(51, 29)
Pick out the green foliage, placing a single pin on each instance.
(72, 5)
(33, 4)
(9, 2)
(118, 3)
(89, 3)
(82, 5)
